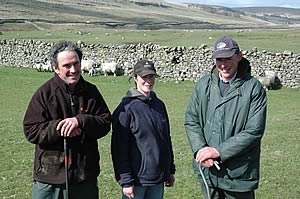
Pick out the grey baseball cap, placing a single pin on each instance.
(225, 47)
(144, 67)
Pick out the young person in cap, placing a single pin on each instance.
(66, 107)
(141, 143)
(225, 121)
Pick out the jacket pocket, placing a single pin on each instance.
(50, 162)
(243, 168)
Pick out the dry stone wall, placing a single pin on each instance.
(173, 63)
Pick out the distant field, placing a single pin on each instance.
(273, 40)
(280, 152)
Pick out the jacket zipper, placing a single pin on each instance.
(71, 99)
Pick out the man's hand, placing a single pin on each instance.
(206, 156)
(128, 192)
(69, 127)
(207, 163)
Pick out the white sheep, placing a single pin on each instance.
(87, 65)
(265, 82)
(268, 81)
(41, 67)
(94, 71)
(271, 75)
(109, 67)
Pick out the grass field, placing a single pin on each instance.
(272, 40)
(279, 164)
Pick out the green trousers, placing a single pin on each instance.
(76, 191)
(216, 193)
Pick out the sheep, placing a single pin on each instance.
(109, 67)
(41, 67)
(105, 68)
(94, 71)
(268, 81)
(271, 75)
(265, 82)
(87, 65)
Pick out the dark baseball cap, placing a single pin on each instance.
(144, 67)
(225, 47)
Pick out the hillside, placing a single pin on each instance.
(277, 15)
(128, 14)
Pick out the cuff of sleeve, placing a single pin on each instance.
(221, 158)
(79, 120)
(127, 185)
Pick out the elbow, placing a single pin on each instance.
(103, 131)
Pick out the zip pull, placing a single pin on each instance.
(71, 100)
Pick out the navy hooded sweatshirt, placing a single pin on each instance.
(141, 144)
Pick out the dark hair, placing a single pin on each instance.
(132, 76)
(60, 47)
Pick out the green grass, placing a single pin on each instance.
(279, 164)
(272, 40)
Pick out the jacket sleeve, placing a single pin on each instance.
(195, 118)
(96, 121)
(120, 147)
(39, 128)
(172, 164)
(252, 133)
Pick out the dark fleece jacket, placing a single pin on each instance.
(141, 144)
(50, 104)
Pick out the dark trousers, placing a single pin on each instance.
(76, 191)
(217, 193)
(148, 192)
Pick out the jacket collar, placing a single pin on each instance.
(243, 70)
(61, 83)
(134, 93)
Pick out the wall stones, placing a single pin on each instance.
(173, 63)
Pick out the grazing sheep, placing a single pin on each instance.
(41, 67)
(109, 67)
(94, 71)
(87, 65)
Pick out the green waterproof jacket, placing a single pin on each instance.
(233, 124)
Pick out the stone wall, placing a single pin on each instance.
(173, 63)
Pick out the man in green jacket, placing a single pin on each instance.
(225, 121)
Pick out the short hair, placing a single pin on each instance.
(60, 47)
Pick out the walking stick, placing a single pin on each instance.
(216, 164)
(205, 183)
(66, 160)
